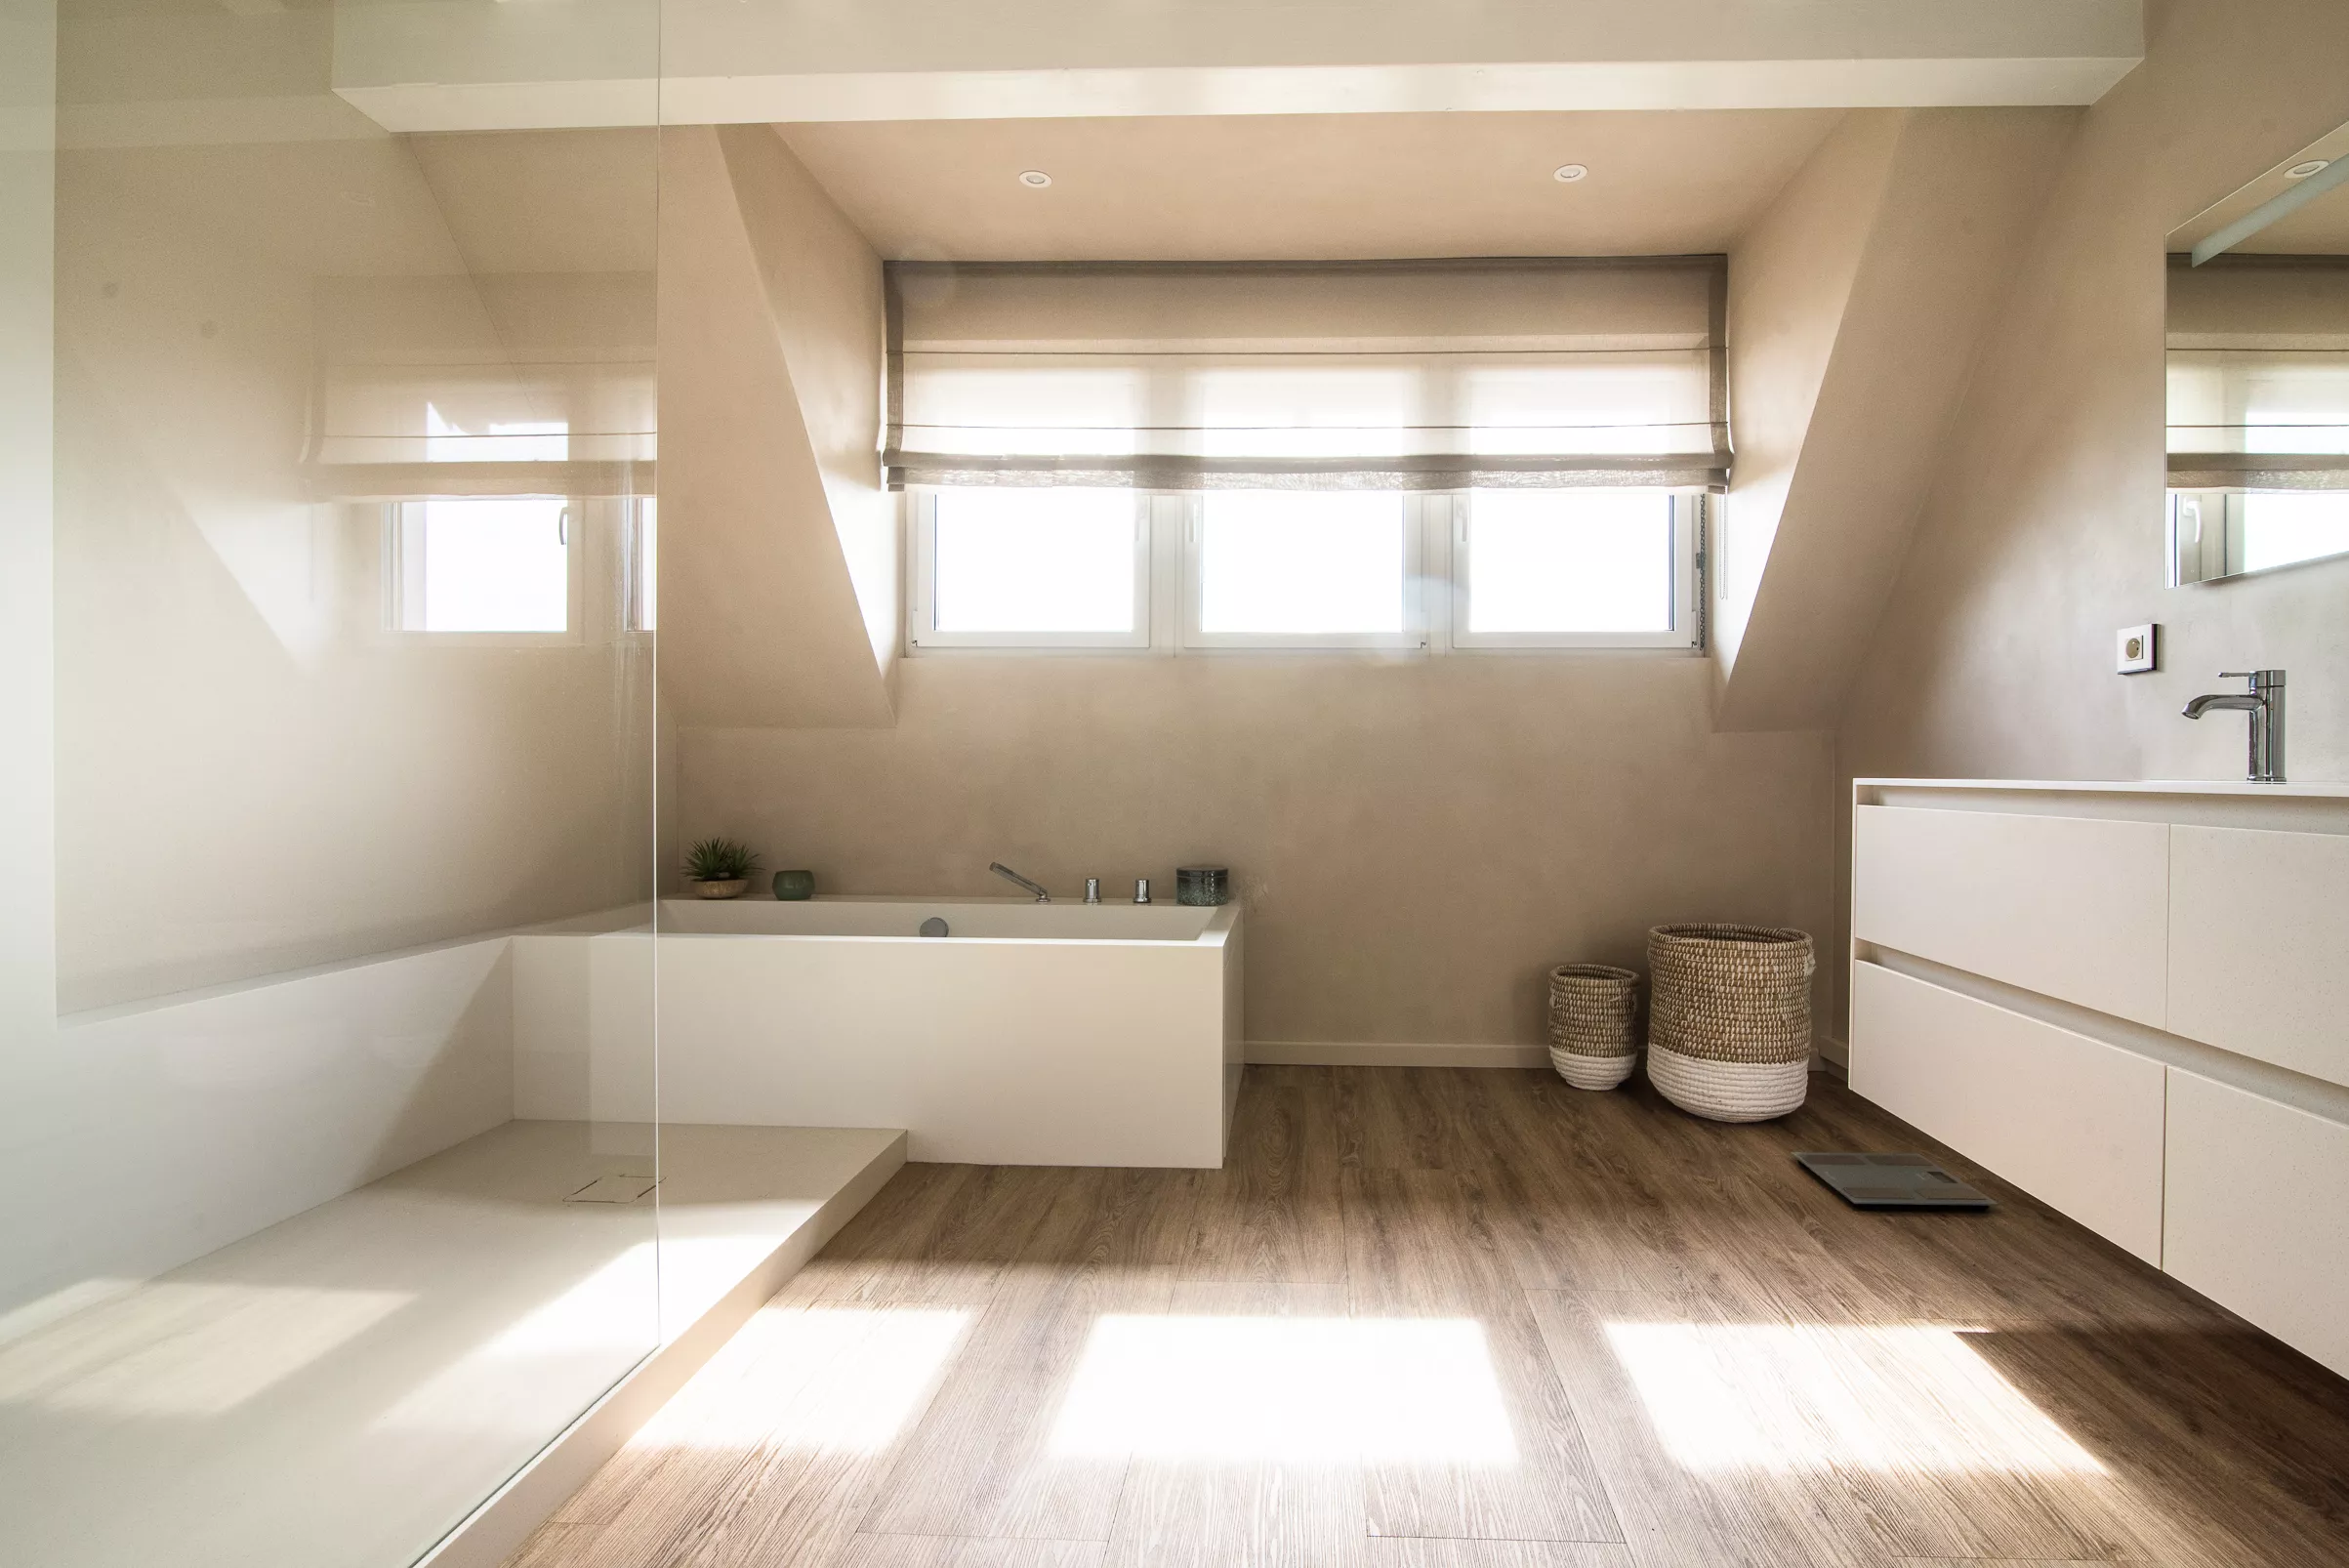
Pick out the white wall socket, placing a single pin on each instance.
(2133, 649)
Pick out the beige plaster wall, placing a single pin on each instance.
(2043, 533)
(1416, 840)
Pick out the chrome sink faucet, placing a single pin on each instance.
(1009, 875)
(2264, 702)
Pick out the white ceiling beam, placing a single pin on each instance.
(441, 64)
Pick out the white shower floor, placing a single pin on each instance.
(345, 1387)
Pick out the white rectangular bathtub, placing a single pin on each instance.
(1030, 1034)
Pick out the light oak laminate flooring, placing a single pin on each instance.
(1432, 1318)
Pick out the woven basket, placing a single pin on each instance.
(1591, 1040)
(1729, 1026)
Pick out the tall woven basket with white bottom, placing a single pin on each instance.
(1591, 1040)
(1729, 1020)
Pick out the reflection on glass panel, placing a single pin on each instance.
(338, 1233)
(1570, 560)
(2281, 528)
(501, 564)
(644, 562)
(2258, 348)
(1012, 559)
(1281, 562)
(2218, 533)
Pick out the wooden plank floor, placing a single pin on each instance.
(1429, 1318)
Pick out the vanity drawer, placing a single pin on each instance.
(2070, 907)
(2260, 945)
(2255, 1218)
(2073, 1122)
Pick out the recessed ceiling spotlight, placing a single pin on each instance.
(1567, 174)
(2301, 170)
(1034, 179)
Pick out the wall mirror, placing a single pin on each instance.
(2258, 340)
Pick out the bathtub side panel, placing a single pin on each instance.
(991, 1053)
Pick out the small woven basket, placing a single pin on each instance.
(1592, 1044)
(1729, 1026)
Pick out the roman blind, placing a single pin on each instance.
(1374, 375)
(2259, 373)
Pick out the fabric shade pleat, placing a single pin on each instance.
(1410, 375)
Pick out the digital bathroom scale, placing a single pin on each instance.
(1892, 1181)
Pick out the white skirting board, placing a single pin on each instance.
(1391, 1053)
(1829, 1056)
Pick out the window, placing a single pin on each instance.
(1304, 569)
(1324, 568)
(1573, 568)
(1011, 567)
(1439, 455)
(492, 564)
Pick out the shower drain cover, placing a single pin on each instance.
(612, 1189)
(1892, 1181)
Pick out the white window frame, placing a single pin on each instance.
(401, 577)
(1685, 631)
(1435, 606)
(1416, 506)
(924, 634)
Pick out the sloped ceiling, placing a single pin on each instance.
(761, 618)
(1846, 393)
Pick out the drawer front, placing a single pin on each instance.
(2260, 945)
(2257, 1216)
(2068, 907)
(2073, 1122)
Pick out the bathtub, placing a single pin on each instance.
(1031, 1034)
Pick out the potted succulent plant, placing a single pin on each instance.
(720, 868)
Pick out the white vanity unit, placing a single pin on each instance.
(2132, 1002)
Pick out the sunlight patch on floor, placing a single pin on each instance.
(1328, 1389)
(838, 1379)
(1787, 1397)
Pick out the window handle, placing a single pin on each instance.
(562, 527)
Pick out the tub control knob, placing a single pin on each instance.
(1093, 889)
(1141, 889)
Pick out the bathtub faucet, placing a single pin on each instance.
(1009, 875)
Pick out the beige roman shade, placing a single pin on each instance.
(1373, 375)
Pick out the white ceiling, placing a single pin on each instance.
(1309, 185)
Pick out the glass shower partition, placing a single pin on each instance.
(331, 1057)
